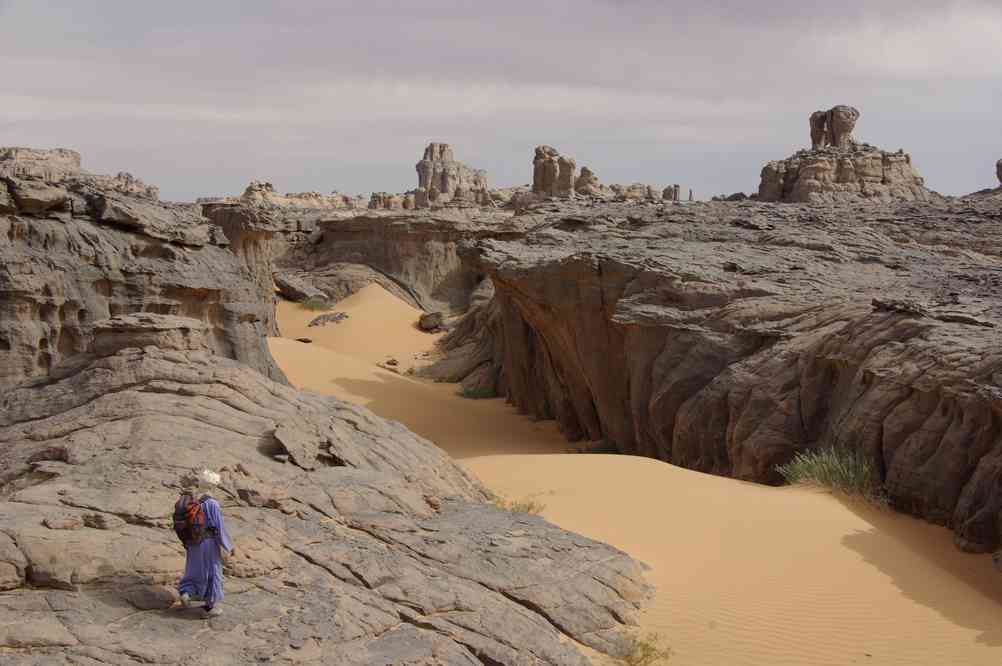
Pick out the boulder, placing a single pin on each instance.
(431, 321)
(34, 197)
(296, 288)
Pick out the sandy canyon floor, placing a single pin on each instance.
(745, 574)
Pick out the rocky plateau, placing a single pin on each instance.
(133, 346)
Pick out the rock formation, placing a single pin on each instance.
(553, 175)
(411, 255)
(386, 201)
(833, 127)
(998, 171)
(726, 337)
(837, 168)
(354, 537)
(439, 171)
(263, 193)
(587, 183)
(78, 248)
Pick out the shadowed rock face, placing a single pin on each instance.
(726, 337)
(413, 255)
(78, 248)
(369, 543)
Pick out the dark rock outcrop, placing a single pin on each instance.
(369, 543)
(76, 248)
(726, 337)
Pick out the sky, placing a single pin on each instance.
(200, 98)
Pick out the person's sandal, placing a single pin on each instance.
(185, 599)
(215, 611)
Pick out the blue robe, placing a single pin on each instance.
(203, 566)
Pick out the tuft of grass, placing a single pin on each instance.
(838, 468)
(525, 505)
(647, 650)
(316, 303)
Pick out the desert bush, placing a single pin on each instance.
(647, 650)
(525, 505)
(316, 303)
(839, 468)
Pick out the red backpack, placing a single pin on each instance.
(190, 523)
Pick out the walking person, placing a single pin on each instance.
(198, 522)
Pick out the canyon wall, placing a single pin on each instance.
(77, 248)
(726, 337)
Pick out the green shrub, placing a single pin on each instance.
(316, 303)
(647, 650)
(839, 468)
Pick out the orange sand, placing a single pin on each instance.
(745, 574)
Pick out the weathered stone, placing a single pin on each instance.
(837, 168)
(47, 165)
(438, 170)
(295, 288)
(553, 175)
(661, 351)
(35, 197)
(103, 521)
(385, 201)
(998, 171)
(63, 522)
(346, 552)
(122, 254)
(151, 597)
(7, 204)
(431, 321)
(328, 318)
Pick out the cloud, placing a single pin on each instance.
(315, 95)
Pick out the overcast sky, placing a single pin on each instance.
(202, 97)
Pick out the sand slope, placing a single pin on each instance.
(746, 574)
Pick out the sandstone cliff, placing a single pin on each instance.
(726, 337)
(839, 169)
(76, 248)
(358, 542)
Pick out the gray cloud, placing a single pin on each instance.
(202, 97)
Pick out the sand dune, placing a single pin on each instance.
(746, 574)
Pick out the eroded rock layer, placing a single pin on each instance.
(357, 541)
(77, 248)
(413, 255)
(726, 337)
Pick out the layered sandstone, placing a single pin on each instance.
(839, 169)
(553, 174)
(78, 248)
(263, 193)
(354, 537)
(727, 337)
(411, 254)
(442, 179)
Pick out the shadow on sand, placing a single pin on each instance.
(894, 546)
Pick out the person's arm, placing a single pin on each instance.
(215, 516)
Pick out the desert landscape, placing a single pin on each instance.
(535, 418)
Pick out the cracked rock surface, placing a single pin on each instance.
(369, 546)
(725, 337)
